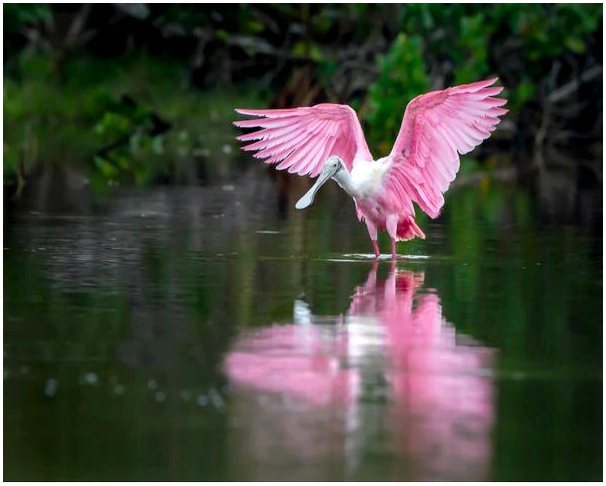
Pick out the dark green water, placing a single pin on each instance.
(215, 333)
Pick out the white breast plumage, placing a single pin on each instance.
(367, 177)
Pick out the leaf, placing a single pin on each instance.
(575, 44)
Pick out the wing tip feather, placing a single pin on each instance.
(246, 111)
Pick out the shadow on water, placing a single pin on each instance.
(211, 333)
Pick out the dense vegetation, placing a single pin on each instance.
(143, 92)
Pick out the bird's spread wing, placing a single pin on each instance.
(301, 139)
(436, 128)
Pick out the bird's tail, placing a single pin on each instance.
(408, 229)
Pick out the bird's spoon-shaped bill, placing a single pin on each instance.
(309, 196)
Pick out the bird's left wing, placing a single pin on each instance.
(301, 139)
(436, 128)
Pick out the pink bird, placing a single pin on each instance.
(327, 141)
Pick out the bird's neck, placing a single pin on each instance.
(344, 179)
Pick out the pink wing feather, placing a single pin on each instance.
(437, 127)
(301, 139)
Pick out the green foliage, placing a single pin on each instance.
(471, 53)
(65, 104)
(128, 120)
(469, 42)
(17, 15)
(129, 136)
(402, 77)
(565, 29)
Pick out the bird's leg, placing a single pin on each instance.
(372, 232)
(393, 249)
(375, 245)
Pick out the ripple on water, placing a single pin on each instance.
(357, 257)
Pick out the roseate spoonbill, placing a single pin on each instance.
(326, 140)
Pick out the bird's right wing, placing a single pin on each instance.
(436, 128)
(301, 139)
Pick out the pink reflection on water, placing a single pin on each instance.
(295, 361)
(435, 423)
(442, 394)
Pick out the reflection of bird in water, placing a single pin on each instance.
(306, 386)
(326, 141)
(442, 400)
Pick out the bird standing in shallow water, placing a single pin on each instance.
(326, 140)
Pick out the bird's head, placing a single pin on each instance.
(332, 166)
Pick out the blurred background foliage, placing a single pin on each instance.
(143, 93)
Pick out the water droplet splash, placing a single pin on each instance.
(90, 378)
(50, 387)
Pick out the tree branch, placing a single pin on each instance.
(572, 86)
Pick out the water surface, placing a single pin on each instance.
(215, 333)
